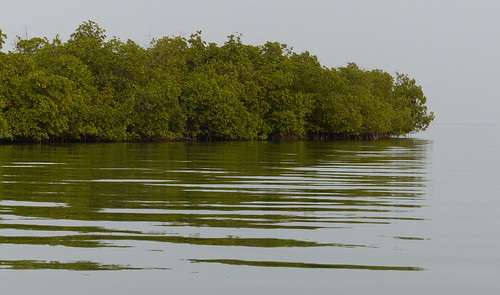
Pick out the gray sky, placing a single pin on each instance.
(451, 47)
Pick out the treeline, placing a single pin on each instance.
(94, 89)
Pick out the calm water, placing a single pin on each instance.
(395, 217)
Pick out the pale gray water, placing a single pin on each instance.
(408, 216)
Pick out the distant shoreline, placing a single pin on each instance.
(92, 88)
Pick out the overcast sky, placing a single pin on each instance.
(451, 47)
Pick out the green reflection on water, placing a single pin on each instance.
(305, 265)
(75, 266)
(112, 195)
(93, 241)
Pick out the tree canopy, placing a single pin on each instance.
(91, 88)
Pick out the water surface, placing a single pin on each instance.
(229, 217)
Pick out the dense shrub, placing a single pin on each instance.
(92, 88)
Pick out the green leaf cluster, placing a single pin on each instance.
(91, 88)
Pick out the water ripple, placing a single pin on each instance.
(350, 199)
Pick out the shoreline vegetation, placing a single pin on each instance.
(91, 88)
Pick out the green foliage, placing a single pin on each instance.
(30, 46)
(89, 31)
(99, 89)
(410, 99)
(2, 39)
